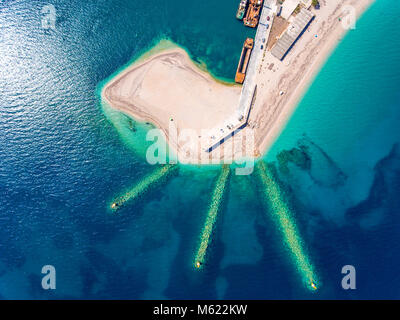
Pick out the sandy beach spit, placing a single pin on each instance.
(170, 91)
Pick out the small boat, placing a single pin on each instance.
(242, 9)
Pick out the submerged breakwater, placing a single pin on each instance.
(284, 219)
(142, 186)
(212, 214)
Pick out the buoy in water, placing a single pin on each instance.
(313, 285)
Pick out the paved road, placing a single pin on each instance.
(260, 42)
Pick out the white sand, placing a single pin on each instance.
(170, 86)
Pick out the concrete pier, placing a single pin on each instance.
(240, 116)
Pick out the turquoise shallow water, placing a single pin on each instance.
(63, 161)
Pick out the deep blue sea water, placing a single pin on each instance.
(63, 160)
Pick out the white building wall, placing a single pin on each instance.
(288, 7)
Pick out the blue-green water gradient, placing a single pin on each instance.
(63, 161)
